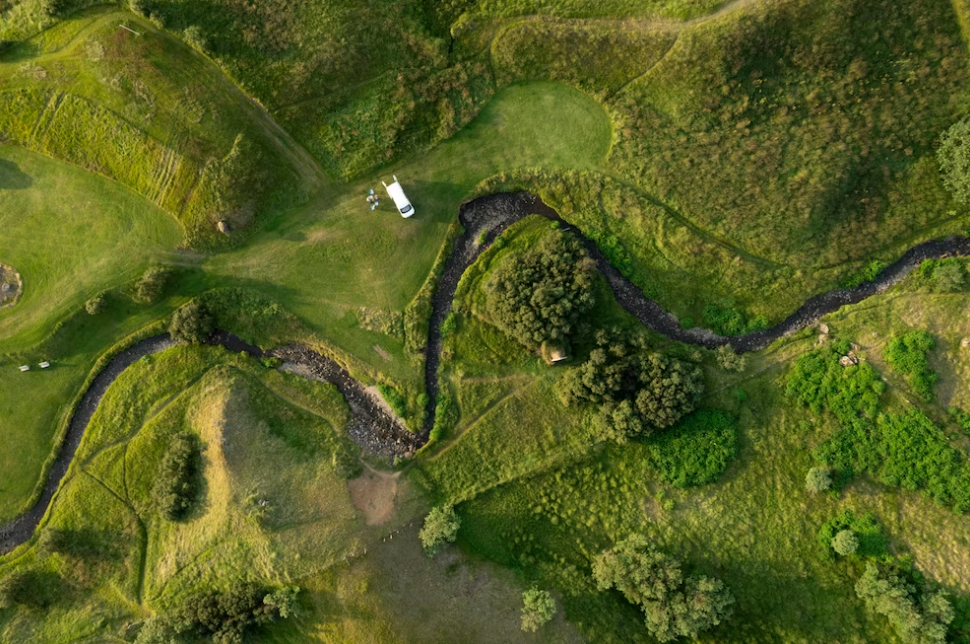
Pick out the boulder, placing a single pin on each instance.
(823, 328)
(223, 227)
(848, 361)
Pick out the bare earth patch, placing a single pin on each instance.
(374, 494)
(11, 286)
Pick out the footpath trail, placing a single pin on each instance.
(380, 433)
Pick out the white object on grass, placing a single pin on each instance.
(396, 192)
(44, 365)
(26, 367)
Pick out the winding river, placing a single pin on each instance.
(373, 427)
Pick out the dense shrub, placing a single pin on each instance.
(638, 391)
(538, 607)
(907, 355)
(74, 543)
(440, 527)
(541, 294)
(729, 321)
(819, 382)
(394, 399)
(867, 273)
(728, 360)
(954, 158)
(696, 450)
(225, 616)
(962, 418)
(674, 605)
(192, 322)
(919, 616)
(818, 479)
(178, 479)
(152, 284)
(95, 305)
(905, 450)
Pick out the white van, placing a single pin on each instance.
(396, 192)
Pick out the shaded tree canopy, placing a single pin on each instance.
(638, 390)
(918, 617)
(674, 605)
(541, 294)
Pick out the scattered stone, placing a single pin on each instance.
(848, 360)
(223, 227)
(964, 343)
(823, 328)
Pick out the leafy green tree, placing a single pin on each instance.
(192, 322)
(538, 608)
(225, 616)
(674, 605)
(918, 617)
(845, 543)
(440, 527)
(954, 158)
(819, 479)
(541, 294)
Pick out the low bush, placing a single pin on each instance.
(961, 418)
(729, 321)
(192, 322)
(943, 275)
(954, 158)
(697, 450)
(394, 399)
(178, 481)
(907, 355)
(728, 360)
(440, 527)
(867, 274)
(819, 382)
(904, 450)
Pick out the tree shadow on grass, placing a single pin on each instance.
(12, 177)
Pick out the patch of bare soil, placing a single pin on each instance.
(374, 495)
(11, 286)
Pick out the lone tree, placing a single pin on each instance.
(954, 159)
(845, 543)
(440, 527)
(674, 605)
(152, 284)
(191, 323)
(818, 480)
(537, 609)
(95, 305)
(541, 294)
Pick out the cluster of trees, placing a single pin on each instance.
(906, 354)
(221, 617)
(440, 527)
(675, 605)
(638, 391)
(954, 158)
(179, 477)
(540, 295)
(920, 616)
